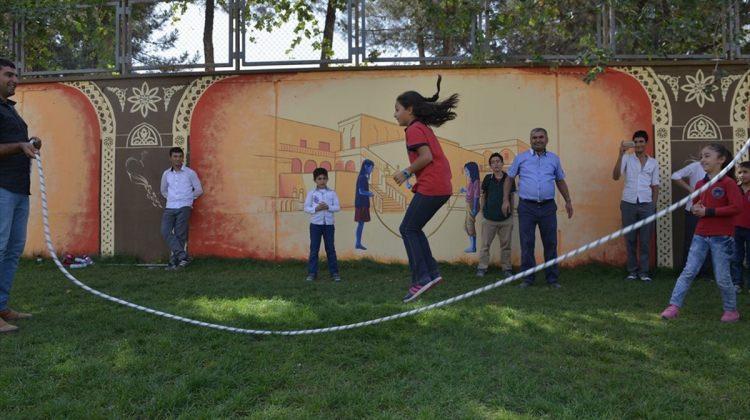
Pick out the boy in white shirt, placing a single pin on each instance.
(180, 186)
(321, 203)
(638, 202)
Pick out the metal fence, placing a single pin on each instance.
(121, 37)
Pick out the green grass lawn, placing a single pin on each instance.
(594, 349)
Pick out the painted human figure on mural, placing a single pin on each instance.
(362, 201)
(471, 170)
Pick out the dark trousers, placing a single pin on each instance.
(544, 215)
(421, 209)
(174, 230)
(741, 250)
(326, 232)
(637, 242)
(691, 222)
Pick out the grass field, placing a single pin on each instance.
(594, 349)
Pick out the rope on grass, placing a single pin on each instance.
(376, 321)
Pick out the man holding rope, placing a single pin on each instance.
(16, 152)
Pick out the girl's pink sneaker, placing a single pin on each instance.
(730, 316)
(671, 312)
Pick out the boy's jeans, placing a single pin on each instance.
(327, 233)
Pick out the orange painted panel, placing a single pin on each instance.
(67, 123)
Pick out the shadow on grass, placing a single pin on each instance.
(596, 348)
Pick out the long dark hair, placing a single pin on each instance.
(430, 111)
(724, 152)
(473, 170)
(365, 164)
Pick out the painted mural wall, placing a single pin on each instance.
(254, 140)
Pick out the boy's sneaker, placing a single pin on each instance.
(671, 312)
(172, 267)
(418, 289)
(7, 328)
(730, 316)
(11, 315)
(631, 277)
(481, 272)
(646, 278)
(336, 278)
(507, 273)
(310, 277)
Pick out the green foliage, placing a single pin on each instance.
(432, 28)
(267, 15)
(665, 27)
(576, 31)
(60, 36)
(69, 35)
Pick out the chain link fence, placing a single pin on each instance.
(297, 40)
(170, 36)
(133, 36)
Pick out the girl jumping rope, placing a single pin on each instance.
(716, 208)
(433, 187)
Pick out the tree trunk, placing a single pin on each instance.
(486, 32)
(420, 44)
(450, 13)
(326, 49)
(208, 38)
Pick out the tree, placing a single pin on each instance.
(208, 31)
(326, 47)
(68, 34)
(431, 28)
(585, 32)
(264, 15)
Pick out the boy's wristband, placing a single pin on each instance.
(406, 173)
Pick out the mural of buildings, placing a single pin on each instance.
(255, 139)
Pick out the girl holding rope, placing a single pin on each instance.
(716, 209)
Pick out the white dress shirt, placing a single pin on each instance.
(322, 195)
(638, 178)
(180, 188)
(694, 172)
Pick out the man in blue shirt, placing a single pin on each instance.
(539, 171)
(15, 180)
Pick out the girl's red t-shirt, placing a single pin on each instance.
(435, 178)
